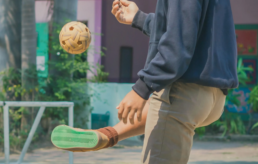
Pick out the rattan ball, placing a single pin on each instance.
(75, 37)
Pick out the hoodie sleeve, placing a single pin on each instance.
(175, 48)
(143, 22)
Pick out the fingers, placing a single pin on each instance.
(128, 113)
(115, 9)
(127, 109)
(139, 115)
(115, 2)
(131, 115)
(125, 2)
(117, 15)
(120, 111)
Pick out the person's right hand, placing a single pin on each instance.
(124, 11)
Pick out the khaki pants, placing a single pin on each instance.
(173, 115)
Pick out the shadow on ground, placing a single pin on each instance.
(222, 162)
(129, 143)
(214, 145)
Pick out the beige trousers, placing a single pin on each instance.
(173, 115)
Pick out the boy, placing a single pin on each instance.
(190, 65)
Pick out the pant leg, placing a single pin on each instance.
(173, 115)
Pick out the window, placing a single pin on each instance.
(126, 63)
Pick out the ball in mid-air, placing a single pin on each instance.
(75, 37)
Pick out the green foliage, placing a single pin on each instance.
(255, 126)
(200, 131)
(242, 78)
(241, 72)
(220, 124)
(237, 126)
(67, 81)
(233, 98)
(230, 124)
(253, 100)
(12, 90)
(99, 76)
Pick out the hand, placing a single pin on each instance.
(124, 11)
(129, 106)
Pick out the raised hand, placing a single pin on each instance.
(131, 105)
(124, 11)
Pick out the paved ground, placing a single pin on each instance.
(202, 153)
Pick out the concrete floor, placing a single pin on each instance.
(202, 153)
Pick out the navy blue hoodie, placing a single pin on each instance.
(191, 41)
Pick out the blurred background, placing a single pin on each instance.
(34, 67)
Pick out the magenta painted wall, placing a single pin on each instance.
(117, 35)
(245, 11)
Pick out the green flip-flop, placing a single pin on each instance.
(68, 138)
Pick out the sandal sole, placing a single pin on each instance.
(66, 137)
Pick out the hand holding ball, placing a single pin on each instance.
(75, 37)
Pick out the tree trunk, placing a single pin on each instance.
(10, 34)
(65, 10)
(29, 47)
(29, 37)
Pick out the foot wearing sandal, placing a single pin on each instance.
(80, 140)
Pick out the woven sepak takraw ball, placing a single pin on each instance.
(75, 37)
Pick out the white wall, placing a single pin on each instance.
(106, 97)
(41, 9)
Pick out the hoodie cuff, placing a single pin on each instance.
(139, 20)
(142, 89)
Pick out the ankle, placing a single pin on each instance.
(112, 135)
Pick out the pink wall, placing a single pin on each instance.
(41, 11)
(98, 24)
(117, 35)
(245, 11)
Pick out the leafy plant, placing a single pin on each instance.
(241, 72)
(255, 126)
(12, 90)
(200, 131)
(242, 78)
(253, 100)
(67, 81)
(220, 124)
(237, 126)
